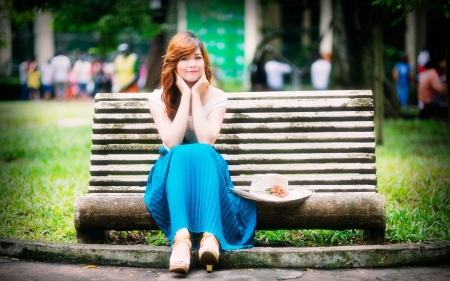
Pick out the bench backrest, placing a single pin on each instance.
(321, 140)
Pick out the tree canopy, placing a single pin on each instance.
(406, 6)
(108, 18)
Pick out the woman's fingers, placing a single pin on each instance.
(201, 84)
(181, 84)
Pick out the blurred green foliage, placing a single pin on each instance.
(109, 19)
(406, 6)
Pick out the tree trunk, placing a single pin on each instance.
(340, 72)
(447, 64)
(5, 40)
(357, 52)
(378, 84)
(155, 62)
(353, 54)
(157, 48)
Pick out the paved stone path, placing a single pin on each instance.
(12, 269)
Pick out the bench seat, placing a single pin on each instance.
(320, 140)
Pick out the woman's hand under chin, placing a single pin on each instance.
(201, 85)
(181, 84)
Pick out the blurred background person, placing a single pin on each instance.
(83, 72)
(102, 75)
(320, 72)
(431, 90)
(47, 80)
(142, 75)
(34, 81)
(403, 76)
(422, 59)
(60, 66)
(126, 67)
(23, 76)
(259, 75)
(108, 70)
(275, 71)
(72, 85)
(96, 70)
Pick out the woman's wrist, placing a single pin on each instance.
(186, 95)
(196, 98)
(195, 94)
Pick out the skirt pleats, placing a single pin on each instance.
(189, 187)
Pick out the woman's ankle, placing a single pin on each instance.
(210, 241)
(180, 234)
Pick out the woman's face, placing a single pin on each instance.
(191, 67)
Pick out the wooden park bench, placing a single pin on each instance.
(321, 140)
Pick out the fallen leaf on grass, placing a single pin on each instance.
(90, 266)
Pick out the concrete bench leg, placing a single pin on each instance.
(94, 236)
(375, 236)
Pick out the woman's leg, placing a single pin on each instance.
(209, 242)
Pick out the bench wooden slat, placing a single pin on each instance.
(132, 128)
(329, 147)
(122, 118)
(248, 117)
(124, 159)
(252, 138)
(116, 189)
(298, 105)
(125, 148)
(299, 126)
(283, 105)
(317, 178)
(317, 188)
(250, 95)
(362, 168)
(327, 188)
(233, 159)
(299, 116)
(301, 179)
(243, 148)
(299, 94)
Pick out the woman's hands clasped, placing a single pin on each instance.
(201, 85)
(198, 88)
(182, 86)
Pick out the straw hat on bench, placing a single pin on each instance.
(272, 188)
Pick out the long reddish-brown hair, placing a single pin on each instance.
(182, 44)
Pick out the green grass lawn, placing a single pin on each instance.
(44, 166)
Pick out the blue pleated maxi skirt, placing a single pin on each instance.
(189, 187)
